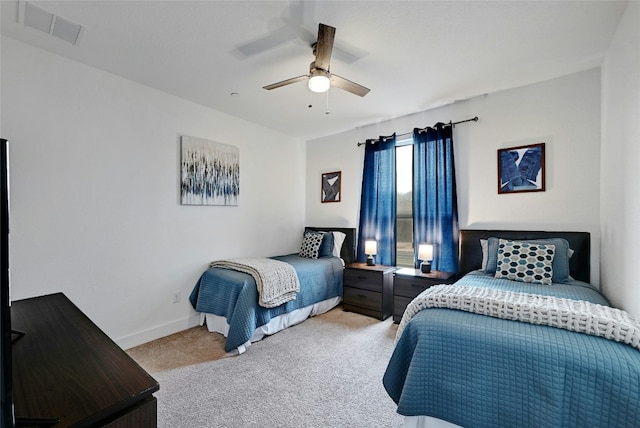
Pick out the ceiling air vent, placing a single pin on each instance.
(47, 22)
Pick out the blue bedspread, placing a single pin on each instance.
(478, 371)
(234, 294)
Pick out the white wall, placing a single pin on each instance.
(564, 113)
(620, 186)
(95, 209)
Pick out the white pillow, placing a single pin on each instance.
(484, 243)
(338, 239)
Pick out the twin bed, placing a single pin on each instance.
(228, 299)
(490, 369)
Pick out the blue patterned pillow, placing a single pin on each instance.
(311, 242)
(560, 261)
(525, 262)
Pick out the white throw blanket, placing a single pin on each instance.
(573, 315)
(277, 281)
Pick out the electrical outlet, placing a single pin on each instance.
(177, 296)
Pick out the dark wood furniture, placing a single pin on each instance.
(368, 290)
(408, 283)
(66, 368)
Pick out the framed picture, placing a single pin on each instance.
(521, 169)
(331, 182)
(209, 172)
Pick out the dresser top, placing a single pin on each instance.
(66, 368)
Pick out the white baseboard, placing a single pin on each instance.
(163, 330)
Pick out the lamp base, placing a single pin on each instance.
(425, 267)
(371, 261)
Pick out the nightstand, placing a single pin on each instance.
(408, 283)
(368, 290)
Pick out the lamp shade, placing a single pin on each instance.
(370, 248)
(425, 252)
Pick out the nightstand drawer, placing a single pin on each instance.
(408, 283)
(363, 298)
(363, 279)
(411, 286)
(368, 290)
(400, 304)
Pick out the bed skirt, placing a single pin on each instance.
(218, 324)
(427, 422)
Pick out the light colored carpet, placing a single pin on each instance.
(325, 372)
(188, 347)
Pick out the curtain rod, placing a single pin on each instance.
(473, 119)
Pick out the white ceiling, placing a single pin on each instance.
(413, 55)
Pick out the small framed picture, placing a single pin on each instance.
(521, 169)
(331, 182)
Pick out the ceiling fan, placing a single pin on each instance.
(319, 77)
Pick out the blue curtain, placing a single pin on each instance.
(378, 203)
(435, 207)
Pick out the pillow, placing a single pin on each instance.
(311, 242)
(525, 262)
(338, 240)
(560, 260)
(485, 249)
(326, 248)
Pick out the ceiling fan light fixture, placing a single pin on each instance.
(319, 81)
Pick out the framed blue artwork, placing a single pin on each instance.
(521, 169)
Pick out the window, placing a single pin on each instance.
(404, 204)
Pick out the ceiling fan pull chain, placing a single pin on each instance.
(327, 110)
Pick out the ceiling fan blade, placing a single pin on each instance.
(344, 56)
(347, 53)
(324, 46)
(348, 85)
(277, 37)
(284, 29)
(286, 82)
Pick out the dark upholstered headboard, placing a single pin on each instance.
(348, 253)
(579, 242)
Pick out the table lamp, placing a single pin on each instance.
(425, 253)
(370, 249)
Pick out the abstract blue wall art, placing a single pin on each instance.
(209, 172)
(521, 169)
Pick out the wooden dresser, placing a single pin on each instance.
(65, 368)
(368, 290)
